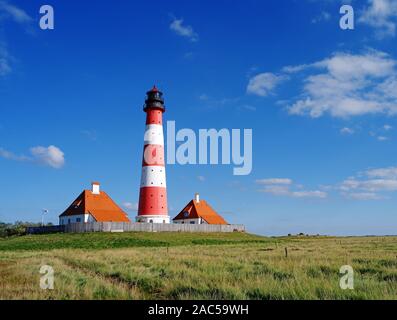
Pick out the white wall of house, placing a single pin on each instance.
(76, 219)
(153, 219)
(190, 221)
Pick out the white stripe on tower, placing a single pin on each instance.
(153, 176)
(154, 134)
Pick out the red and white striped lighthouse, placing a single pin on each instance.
(153, 193)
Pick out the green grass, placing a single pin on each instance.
(196, 266)
(95, 241)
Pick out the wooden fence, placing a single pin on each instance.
(136, 227)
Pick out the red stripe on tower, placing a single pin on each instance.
(153, 190)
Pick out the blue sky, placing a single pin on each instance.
(321, 101)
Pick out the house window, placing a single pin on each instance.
(192, 222)
(151, 221)
(78, 220)
(68, 220)
(163, 221)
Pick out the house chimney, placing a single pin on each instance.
(197, 197)
(95, 188)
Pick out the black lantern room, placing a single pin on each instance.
(154, 100)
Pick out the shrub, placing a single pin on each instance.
(15, 229)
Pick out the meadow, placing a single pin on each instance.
(196, 266)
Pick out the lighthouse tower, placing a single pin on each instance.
(153, 193)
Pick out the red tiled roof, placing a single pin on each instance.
(202, 210)
(109, 216)
(100, 206)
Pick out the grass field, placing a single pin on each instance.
(196, 266)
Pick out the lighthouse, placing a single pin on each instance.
(153, 189)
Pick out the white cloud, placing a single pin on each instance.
(352, 85)
(382, 138)
(276, 190)
(363, 196)
(389, 87)
(130, 206)
(201, 178)
(12, 156)
(264, 83)
(183, 30)
(389, 173)
(5, 67)
(371, 184)
(343, 85)
(17, 14)
(324, 16)
(387, 127)
(382, 15)
(346, 130)
(49, 156)
(270, 181)
(285, 187)
(295, 69)
(309, 194)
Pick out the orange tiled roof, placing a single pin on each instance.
(202, 210)
(100, 206)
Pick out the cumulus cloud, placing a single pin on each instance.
(370, 185)
(276, 190)
(389, 173)
(349, 85)
(343, 85)
(347, 131)
(270, 181)
(285, 187)
(363, 196)
(50, 156)
(309, 194)
(183, 30)
(295, 69)
(264, 83)
(381, 15)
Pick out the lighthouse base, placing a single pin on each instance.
(153, 219)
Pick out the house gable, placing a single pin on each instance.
(200, 209)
